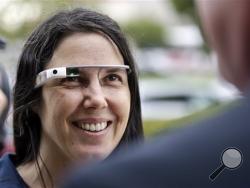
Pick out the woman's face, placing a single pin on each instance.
(88, 122)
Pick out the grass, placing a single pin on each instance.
(153, 127)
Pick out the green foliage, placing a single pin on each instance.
(146, 32)
(185, 7)
(46, 9)
(21, 32)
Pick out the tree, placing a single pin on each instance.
(187, 8)
(146, 32)
(19, 18)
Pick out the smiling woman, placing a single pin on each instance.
(76, 98)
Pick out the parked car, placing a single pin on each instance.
(168, 98)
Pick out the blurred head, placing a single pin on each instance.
(227, 27)
(57, 113)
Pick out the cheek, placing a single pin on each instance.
(120, 105)
(57, 107)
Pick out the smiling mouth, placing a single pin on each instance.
(92, 127)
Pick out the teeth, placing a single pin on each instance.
(93, 127)
(86, 126)
(98, 127)
(103, 125)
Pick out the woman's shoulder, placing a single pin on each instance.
(9, 177)
(5, 161)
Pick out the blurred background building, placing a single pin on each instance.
(178, 73)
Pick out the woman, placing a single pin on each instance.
(76, 97)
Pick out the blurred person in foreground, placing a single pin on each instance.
(190, 157)
(4, 102)
(76, 99)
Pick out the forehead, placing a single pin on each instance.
(86, 49)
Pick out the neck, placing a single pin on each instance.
(51, 162)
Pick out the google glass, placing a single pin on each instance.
(70, 71)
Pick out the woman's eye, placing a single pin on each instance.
(114, 77)
(113, 80)
(71, 81)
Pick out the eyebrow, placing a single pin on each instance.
(110, 70)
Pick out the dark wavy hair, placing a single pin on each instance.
(36, 54)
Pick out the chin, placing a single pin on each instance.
(93, 156)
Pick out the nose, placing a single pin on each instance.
(93, 96)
